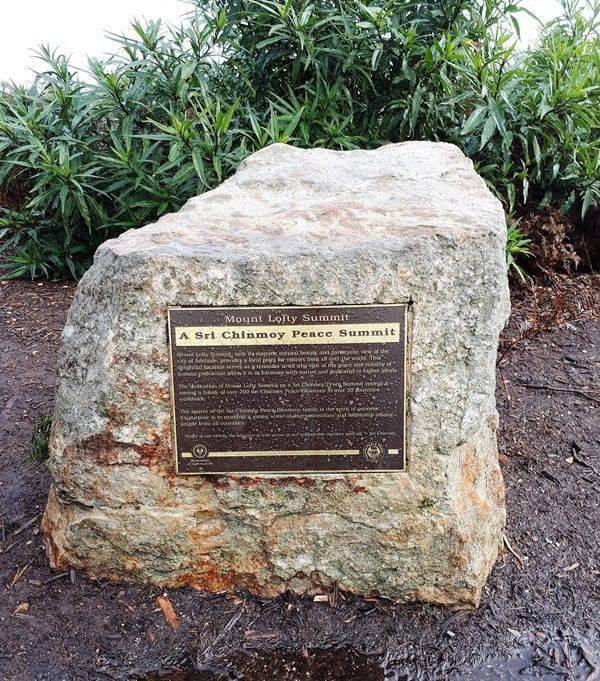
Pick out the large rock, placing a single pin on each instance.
(408, 221)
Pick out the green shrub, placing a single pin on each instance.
(517, 246)
(40, 440)
(177, 108)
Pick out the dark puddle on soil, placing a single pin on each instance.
(556, 659)
(315, 665)
(552, 660)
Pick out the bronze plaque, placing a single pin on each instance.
(289, 389)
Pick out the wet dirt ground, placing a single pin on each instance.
(540, 616)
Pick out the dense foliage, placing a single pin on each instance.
(173, 112)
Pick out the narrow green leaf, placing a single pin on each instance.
(473, 120)
(488, 130)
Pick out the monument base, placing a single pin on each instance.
(370, 534)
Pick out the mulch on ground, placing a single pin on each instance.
(540, 616)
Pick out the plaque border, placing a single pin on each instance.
(406, 459)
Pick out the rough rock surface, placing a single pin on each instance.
(408, 221)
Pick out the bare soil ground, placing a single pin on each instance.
(540, 617)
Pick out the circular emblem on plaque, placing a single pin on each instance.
(373, 452)
(200, 451)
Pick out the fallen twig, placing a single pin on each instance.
(519, 558)
(53, 579)
(8, 547)
(29, 523)
(504, 384)
(561, 390)
(19, 573)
